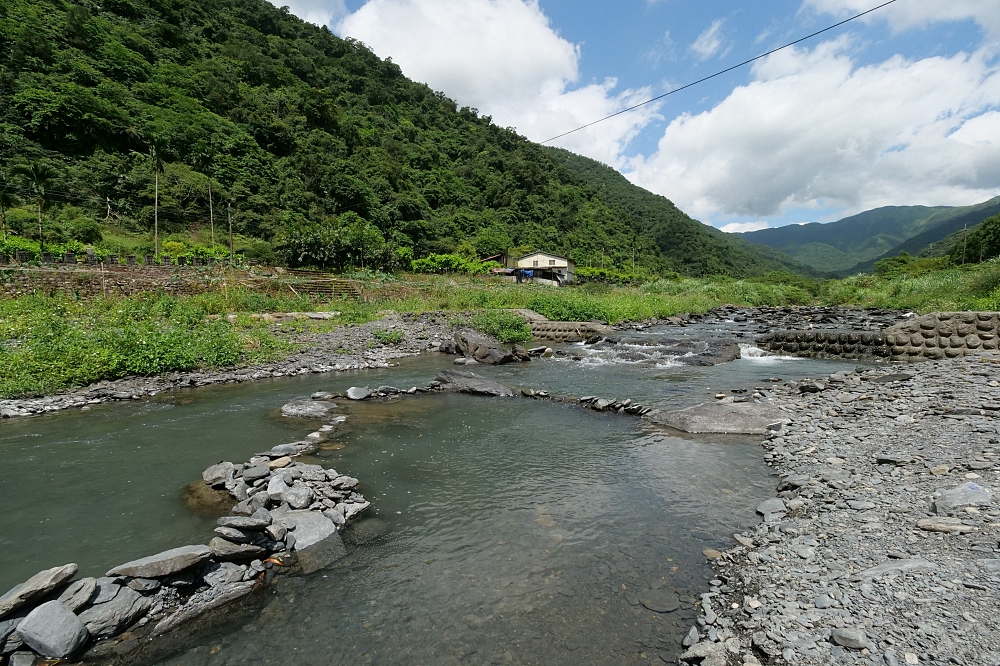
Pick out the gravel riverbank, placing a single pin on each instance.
(350, 347)
(882, 545)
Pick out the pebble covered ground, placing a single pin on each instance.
(882, 546)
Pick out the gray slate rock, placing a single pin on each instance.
(482, 350)
(660, 601)
(163, 564)
(856, 639)
(260, 519)
(316, 539)
(771, 508)
(307, 409)
(36, 587)
(78, 594)
(967, 494)
(299, 496)
(107, 589)
(227, 551)
(110, 618)
(359, 393)
(226, 594)
(53, 631)
(258, 472)
(468, 382)
(217, 474)
(891, 567)
(748, 418)
(234, 535)
(23, 659)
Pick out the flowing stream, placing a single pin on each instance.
(502, 531)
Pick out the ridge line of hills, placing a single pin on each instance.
(855, 243)
(328, 152)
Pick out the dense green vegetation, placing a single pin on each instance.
(50, 343)
(156, 115)
(855, 243)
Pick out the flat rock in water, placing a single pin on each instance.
(226, 593)
(307, 409)
(53, 631)
(37, 586)
(78, 594)
(110, 618)
(482, 350)
(260, 519)
(227, 551)
(660, 601)
(163, 564)
(217, 474)
(469, 382)
(748, 418)
(358, 393)
(316, 539)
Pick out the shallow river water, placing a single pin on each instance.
(502, 531)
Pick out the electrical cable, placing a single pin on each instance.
(729, 69)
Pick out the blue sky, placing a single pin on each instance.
(902, 107)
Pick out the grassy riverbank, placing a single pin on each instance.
(51, 343)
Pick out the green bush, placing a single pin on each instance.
(452, 263)
(504, 326)
(388, 336)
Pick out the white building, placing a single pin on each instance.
(545, 268)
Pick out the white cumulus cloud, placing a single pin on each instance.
(504, 58)
(813, 128)
(907, 14)
(743, 227)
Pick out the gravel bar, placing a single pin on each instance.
(882, 545)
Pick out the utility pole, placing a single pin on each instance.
(211, 213)
(965, 241)
(230, 233)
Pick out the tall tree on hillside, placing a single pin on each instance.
(205, 159)
(38, 175)
(156, 149)
(7, 199)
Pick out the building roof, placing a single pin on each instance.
(547, 254)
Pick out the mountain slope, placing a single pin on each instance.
(315, 141)
(855, 243)
(691, 245)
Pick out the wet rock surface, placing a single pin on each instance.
(883, 543)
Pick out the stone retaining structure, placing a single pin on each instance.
(567, 331)
(933, 336)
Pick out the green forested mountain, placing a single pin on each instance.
(321, 147)
(854, 243)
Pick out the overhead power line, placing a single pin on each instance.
(728, 69)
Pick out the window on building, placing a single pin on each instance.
(552, 262)
(535, 263)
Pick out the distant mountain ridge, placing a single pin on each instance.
(855, 243)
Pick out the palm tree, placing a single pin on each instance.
(7, 199)
(39, 175)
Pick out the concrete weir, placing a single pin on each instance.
(933, 336)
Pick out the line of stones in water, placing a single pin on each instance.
(286, 521)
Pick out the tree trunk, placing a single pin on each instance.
(41, 238)
(156, 212)
(211, 213)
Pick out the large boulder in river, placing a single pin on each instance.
(36, 587)
(749, 418)
(483, 350)
(112, 616)
(469, 382)
(53, 631)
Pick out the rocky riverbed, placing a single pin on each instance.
(882, 545)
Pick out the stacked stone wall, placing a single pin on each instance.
(933, 336)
